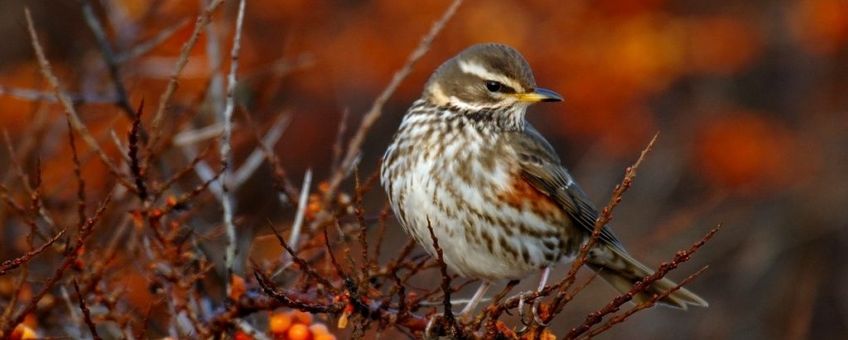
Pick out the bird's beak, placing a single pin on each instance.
(539, 95)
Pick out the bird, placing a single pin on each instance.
(466, 164)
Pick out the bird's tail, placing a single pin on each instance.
(623, 271)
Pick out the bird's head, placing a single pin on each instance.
(487, 77)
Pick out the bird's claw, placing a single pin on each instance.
(534, 319)
(525, 325)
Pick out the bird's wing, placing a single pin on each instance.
(541, 167)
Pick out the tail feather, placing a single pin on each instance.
(622, 271)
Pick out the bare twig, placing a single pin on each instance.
(304, 266)
(149, 45)
(77, 174)
(337, 145)
(86, 313)
(184, 171)
(226, 147)
(642, 306)
(32, 192)
(78, 125)
(446, 284)
(50, 96)
(300, 215)
(254, 160)
(193, 136)
(109, 58)
(679, 258)
(202, 20)
(136, 167)
(287, 191)
(10, 264)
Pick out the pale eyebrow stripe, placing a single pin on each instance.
(480, 71)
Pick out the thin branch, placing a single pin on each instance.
(136, 166)
(150, 44)
(254, 160)
(193, 136)
(300, 215)
(446, 283)
(202, 20)
(337, 145)
(50, 96)
(10, 264)
(78, 125)
(184, 171)
(32, 192)
(226, 148)
(77, 174)
(644, 305)
(86, 313)
(304, 266)
(109, 58)
(614, 305)
(286, 190)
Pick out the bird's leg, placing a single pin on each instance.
(469, 307)
(542, 282)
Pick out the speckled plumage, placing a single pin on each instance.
(465, 161)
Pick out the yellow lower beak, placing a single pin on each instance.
(539, 95)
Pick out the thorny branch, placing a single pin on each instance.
(679, 258)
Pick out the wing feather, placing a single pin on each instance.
(541, 167)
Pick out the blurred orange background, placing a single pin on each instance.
(750, 100)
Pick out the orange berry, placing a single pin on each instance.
(299, 332)
(278, 323)
(23, 332)
(237, 287)
(242, 336)
(302, 317)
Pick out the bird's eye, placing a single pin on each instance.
(493, 86)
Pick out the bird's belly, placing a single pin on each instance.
(480, 237)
